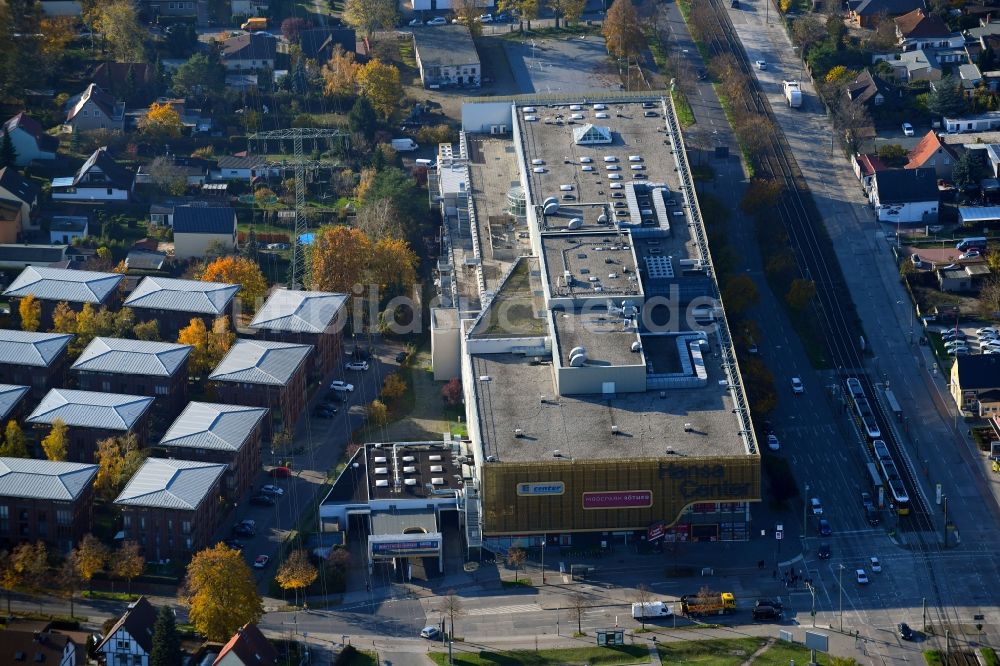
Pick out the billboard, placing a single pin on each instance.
(541, 488)
(618, 499)
(407, 547)
(655, 531)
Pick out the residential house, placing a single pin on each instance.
(934, 154)
(242, 167)
(67, 228)
(20, 256)
(866, 89)
(868, 13)
(139, 367)
(969, 76)
(31, 143)
(91, 417)
(40, 647)
(265, 374)
(905, 196)
(130, 640)
(319, 43)
(51, 286)
(919, 65)
(973, 376)
(95, 109)
(249, 52)
(200, 228)
(11, 404)
(171, 507)
(245, 8)
(193, 170)
(313, 318)
(447, 56)
(154, 9)
(36, 360)
(225, 434)
(99, 179)
(143, 260)
(134, 82)
(918, 30)
(986, 28)
(45, 500)
(983, 122)
(10, 221)
(966, 278)
(174, 303)
(247, 647)
(15, 187)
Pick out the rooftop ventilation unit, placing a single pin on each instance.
(688, 427)
(482, 378)
(381, 470)
(575, 223)
(437, 481)
(551, 208)
(518, 432)
(410, 469)
(636, 346)
(408, 458)
(614, 430)
(577, 360)
(381, 459)
(435, 456)
(382, 483)
(409, 482)
(437, 468)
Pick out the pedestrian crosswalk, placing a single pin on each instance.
(504, 610)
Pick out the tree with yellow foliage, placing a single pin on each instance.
(127, 562)
(56, 443)
(15, 444)
(63, 318)
(57, 32)
(90, 557)
(379, 82)
(837, 74)
(242, 271)
(393, 263)
(161, 121)
(339, 257)
(296, 573)
(118, 458)
(30, 311)
(378, 413)
(196, 335)
(340, 73)
(220, 340)
(365, 181)
(221, 593)
(622, 30)
(393, 387)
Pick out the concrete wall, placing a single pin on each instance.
(477, 117)
(588, 380)
(446, 350)
(195, 245)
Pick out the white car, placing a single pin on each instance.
(862, 577)
(270, 489)
(817, 507)
(415, 22)
(797, 386)
(341, 387)
(761, 64)
(485, 18)
(357, 366)
(772, 442)
(261, 561)
(438, 20)
(987, 329)
(876, 565)
(971, 254)
(907, 129)
(430, 632)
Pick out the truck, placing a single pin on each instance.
(708, 603)
(404, 145)
(651, 609)
(793, 93)
(254, 24)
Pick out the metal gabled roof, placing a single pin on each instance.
(28, 348)
(44, 479)
(10, 395)
(171, 484)
(211, 298)
(132, 357)
(207, 425)
(299, 311)
(63, 284)
(90, 409)
(260, 362)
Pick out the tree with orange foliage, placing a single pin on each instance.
(339, 258)
(241, 271)
(393, 263)
(340, 73)
(161, 121)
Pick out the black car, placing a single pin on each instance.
(324, 413)
(262, 500)
(702, 75)
(328, 405)
(401, 357)
(871, 515)
(244, 531)
(766, 613)
(768, 602)
(904, 631)
(824, 551)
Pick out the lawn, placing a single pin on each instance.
(782, 652)
(626, 654)
(719, 652)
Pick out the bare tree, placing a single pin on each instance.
(854, 121)
(989, 297)
(516, 557)
(379, 219)
(643, 597)
(578, 603)
(451, 605)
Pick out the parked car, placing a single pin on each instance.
(916, 260)
(876, 565)
(904, 631)
(987, 329)
(824, 527)
(971, 254)
(823, 552)
(321, 412)
(261, 561)
(359, 366)
(485, 18)
(245, 529)
(907, 129)
(866, 501)
(280, 473)
(772, 442)
(438, 20)
(797, 386)
(235, 544)
(262, 500)
(272, 490)
(862, 577)
(761, 64)
(817, 507)
(341, 387)
(415, 22)
(430, 632)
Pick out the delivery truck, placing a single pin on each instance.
(254, 24)
(708, 603)
(793, 93)
(651, 609)
(404, 145)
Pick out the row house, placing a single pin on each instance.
(45, 500)
(170, 507)
(91, 417)
(305, 317)
(140, 367)
(174, 303)
(225, 434)
(51, 286)
(265, 374)
(11, 401)
(35, 360)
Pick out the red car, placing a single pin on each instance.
(280, 473)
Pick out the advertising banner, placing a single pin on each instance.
(618, 499)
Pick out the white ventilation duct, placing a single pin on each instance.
(575, 223)
(577, 360)
(551, 208)
(577, 350)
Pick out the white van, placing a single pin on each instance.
(647, 609)
(424, 162)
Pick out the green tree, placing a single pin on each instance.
(361, 120)
(166, 643)
(370, 15)
(946, 98)
(800, 293)
(147, 330)
(892, 154)
(739, 293)
(200, 75)
(8, 155)
(969, 169)
(119, 24)
(15, 444)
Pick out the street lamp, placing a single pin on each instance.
(840, 584)
(812, 591)
(805, 511)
